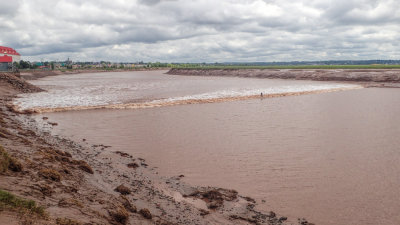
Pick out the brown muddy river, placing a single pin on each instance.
(333, 158)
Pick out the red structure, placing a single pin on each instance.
(8, 51)
(6, 59)
(8, 56)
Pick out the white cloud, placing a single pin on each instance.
(201, 30)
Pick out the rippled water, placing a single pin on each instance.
(154, 89)
(331, 157)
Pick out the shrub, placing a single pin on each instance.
(121, 215)
(4, 160)
(146, 213)
(8, 162)
(66, 221)
(15, 165)
(123, 190)
(50, 174)
(85, 167)
(127, 204)
(68, 202)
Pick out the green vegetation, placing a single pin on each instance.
(209, 66)
(111, 66)
(11, 202)
(8, 162)
(25, 65)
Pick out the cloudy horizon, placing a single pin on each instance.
(201, 30)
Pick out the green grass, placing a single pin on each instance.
(375, 66)
(14, 203)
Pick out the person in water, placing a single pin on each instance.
(261, 95)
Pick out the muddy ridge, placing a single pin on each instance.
(16, 83)
(348, 75)
(78, 183)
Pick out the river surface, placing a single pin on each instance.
(331, 157)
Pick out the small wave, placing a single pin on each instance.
(192, 99)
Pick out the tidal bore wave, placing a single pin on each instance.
(185, 100)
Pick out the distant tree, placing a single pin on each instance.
(24, 64)
(16, 65)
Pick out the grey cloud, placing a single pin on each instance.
(8, 8)
(364, 12)
(201, 30)
(149, 2)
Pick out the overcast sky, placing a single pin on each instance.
(201, 30)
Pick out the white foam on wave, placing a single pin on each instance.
(258, 91)
(93, 97)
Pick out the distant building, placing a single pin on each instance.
(7, 57)
(5, 63)
(58, 65)
(6, 51)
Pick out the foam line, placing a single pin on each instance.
(178, 101)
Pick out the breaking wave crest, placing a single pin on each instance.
(214, 97)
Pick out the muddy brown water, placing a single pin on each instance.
(332, 158)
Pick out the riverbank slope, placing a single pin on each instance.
(368, 77)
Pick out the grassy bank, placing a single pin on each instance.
(11, 202)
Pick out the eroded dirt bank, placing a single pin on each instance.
(369, 77)
(100, 185)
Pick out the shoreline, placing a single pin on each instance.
(382, 78)
(100, 185)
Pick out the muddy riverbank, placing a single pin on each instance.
(80, 184)
(368, 77)
(37, 74)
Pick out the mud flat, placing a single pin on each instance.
(72, 184)
(37, 74)
(368, 77)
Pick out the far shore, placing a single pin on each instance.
(366, 77)
(36, 74)
(370, 77)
